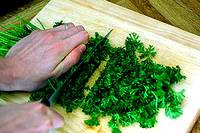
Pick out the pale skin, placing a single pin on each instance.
(28, 65)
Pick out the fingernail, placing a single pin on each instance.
(58, 122)
(57, 119)
(82, 48)
(68, 25)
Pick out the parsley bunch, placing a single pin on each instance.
(14, 33)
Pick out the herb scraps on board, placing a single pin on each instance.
(130, 89)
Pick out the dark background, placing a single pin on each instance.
(10, 5)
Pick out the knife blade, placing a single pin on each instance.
(53, 98)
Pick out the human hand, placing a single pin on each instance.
(44, 54)
(28, 118)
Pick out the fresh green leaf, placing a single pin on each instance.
(173, 111)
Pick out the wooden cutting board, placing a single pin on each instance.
(174, 46)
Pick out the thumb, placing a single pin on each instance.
(56, 119)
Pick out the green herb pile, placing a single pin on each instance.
(131, 89)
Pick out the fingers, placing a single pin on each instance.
(57, 119)
(62, 27)
(68, 33)
(53, 119)
(73, 41)
(65, 31)
(62, 48)
(69, 61)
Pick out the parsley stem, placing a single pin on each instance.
(51, 85)
(3, 49)
(156, 99)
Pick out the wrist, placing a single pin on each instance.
(8, 75)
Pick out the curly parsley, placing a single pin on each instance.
(133, 88)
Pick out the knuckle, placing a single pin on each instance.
(80, 27)
(57, 48)
(62, 27)
(66, 26)
(85, 34)
(49, 35)
(70, 24)
(40, 107)
(59, 28)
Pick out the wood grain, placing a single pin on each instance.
(143, 7)
(174, 46)
(186, 15)
(185, 19)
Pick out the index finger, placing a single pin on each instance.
(70, 43)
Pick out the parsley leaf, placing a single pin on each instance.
(173, 111)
